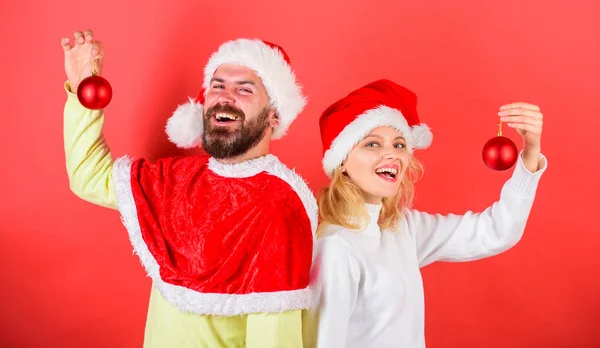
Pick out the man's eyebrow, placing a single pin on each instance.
(243, 82)
(246, 82)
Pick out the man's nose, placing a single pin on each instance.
(225, 97)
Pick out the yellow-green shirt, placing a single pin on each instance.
(89, 166)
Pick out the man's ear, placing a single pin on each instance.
(273, 118)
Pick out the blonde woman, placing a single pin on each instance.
(366, 281)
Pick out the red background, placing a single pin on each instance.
(68, 275)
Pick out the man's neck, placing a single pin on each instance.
(260, 150)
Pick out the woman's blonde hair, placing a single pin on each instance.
(342, 202)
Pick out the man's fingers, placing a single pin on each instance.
(89, 36)
(64, 42)
(78, 38)
(97, 50)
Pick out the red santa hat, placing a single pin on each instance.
(380, 103)
(271, 64)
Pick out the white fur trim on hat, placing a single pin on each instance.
(416, 137)
(185, 127)
(269, 64)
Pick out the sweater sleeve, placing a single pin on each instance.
(476, 235)
(88, 158)
(335, 278)
(274, 330)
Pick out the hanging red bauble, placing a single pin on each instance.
(500, 153)
(94, 92)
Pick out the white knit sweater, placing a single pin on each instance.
(367, 285)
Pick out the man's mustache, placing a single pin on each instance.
(226, 108)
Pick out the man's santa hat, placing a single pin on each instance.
(380, 103)
(271, 64)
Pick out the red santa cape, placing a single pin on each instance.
(220, 239)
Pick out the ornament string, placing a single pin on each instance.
(500, 129)
(93, 67)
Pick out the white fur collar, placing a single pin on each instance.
(244, 169)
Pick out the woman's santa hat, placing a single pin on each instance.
(380, 103)
(271, 64)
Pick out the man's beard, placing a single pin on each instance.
(221, 143)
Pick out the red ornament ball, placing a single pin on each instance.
(500, 153)
(94, 92)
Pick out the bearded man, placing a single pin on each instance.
(226, 237)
